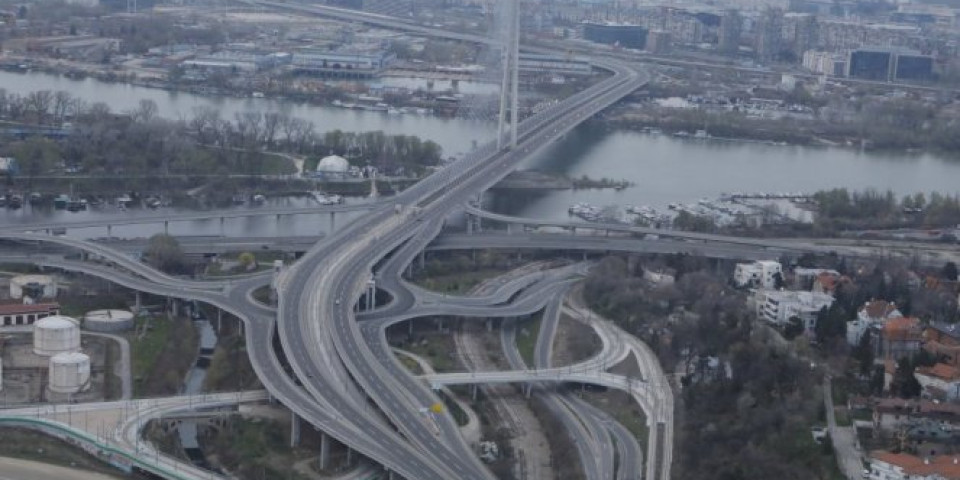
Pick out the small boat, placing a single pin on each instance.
(61, 202)
(76, 205)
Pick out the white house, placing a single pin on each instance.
(761, 274)
(874, 313)
(778, 307)
(903, 466)
(940, 381)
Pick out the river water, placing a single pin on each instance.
(664, 169)
(667, 169)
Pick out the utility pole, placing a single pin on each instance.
(509, 86)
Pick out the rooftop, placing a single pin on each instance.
(21, 308)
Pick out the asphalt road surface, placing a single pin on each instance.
(16, 469)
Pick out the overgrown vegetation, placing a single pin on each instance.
(163, 349)
(230, 368)
(752, 422)
(842, 209)
(30, 445)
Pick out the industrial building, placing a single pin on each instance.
(341, 63)
(57, 334)
(566, 65)
(623, 35)
(24, 314)
(69, 373)
(108, 320)
(33, 287)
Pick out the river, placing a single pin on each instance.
(667, 169)
(454, 135)
(664, 169)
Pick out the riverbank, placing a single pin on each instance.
(786, 130)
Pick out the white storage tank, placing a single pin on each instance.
(35, 286)
(69, 372)
(56, 334)
(108, 320)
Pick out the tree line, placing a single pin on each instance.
(97, 140)
(841, 209)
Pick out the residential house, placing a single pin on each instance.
(660, 277)
(873, 314)
(805, 278)
(895, 414)
(778, 307)
(762, 274)
(943, 341)
(940, 381)
(903, 466)
(900, 337)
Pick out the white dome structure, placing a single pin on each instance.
(333, 164)
(108, 320)
(56, 334)
(44, 285)
(69, 372)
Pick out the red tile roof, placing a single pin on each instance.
(22, 309)
(946, 466)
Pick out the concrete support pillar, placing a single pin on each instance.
(509, 229)
(439, 324)
(473, 392)
(166, 227)
(423, 260)
(223, 230)
(527, 389)
(324, 451)
(409, 270)
(294, 430)
(349, 456)
(410, 324)
(371, 294)
(219, 319)
(138, 303)
(109, 231)
(333, 222)
(489, 324)
(469, 224)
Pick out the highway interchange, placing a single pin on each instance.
(335, 370)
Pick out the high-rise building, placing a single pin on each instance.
(800, 32)
(627, 36)
(731, 25)
(870, 64)
(911, 66)
(769, 32)
(659, 42)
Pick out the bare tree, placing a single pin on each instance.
(271, 121)
(38, 103)
(145, 112)
(62, 101)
